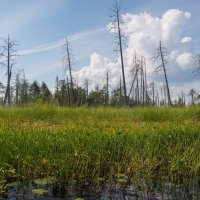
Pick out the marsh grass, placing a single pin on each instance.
(97, 144)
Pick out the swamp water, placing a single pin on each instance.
(166, 188)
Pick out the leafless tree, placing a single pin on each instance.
(161, 56)
(116, 28)
(68, 92)
(135, 66)
(195, 96)
(192, 93)
(133, 71)
(153, 92)
(107, 87)
(68, 58)
(7, 60)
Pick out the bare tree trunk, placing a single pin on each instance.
(107, 85)
(153, 93)
(145, 75)
(120, 91)
(7, 57)
(7, 94)
(138, 91)
(117, 26)
(165, 74)
(122, 60)
(71, 79)
(143, 82)
(162, 97)
(68, 91)
(158, 99)
(132, 84)
(68, 61)
(17, 87)
(140, 84)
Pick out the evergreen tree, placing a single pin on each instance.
(45, 93)
(34, 91)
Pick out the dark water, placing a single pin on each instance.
(151, 189)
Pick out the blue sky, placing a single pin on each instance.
(41, 26)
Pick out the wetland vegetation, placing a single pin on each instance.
(58, 144)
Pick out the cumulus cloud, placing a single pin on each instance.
(144, 33)
(95, 72)
(185, 60)
(172, 23)
(186, 40)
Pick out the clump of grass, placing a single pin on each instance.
(86, 144)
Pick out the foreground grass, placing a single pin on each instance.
(91, 143)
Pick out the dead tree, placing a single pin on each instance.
(194, 96)
(142, 81)
(135, 69)
(7, 61)
(116, 28)
(120, 91)
(145, 79)
(160, 56)
(68, 92)
(153, 93)
(107, 88)
(68, 59)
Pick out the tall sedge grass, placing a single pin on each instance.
(81, 143)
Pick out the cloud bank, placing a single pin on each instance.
(144, 33)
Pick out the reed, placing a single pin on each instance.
(101, 143)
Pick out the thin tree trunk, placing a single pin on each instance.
(107, 91)
(122, 59)
(165, 74)
(68, 91)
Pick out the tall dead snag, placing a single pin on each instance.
(153, 92)
(116, 28)
(135, 66)
(107, 88)
(7, 61)
(160, 56)
(68, 59)
(145, 79)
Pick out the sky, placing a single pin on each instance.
(40, 27)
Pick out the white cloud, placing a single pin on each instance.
(144, 33)
(186, 40)
(172, 23)
(95, 72)
(42, 48)
(185, 60)
(59, 43)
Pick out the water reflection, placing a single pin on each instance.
(143, 189)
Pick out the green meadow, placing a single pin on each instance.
(98, 143)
